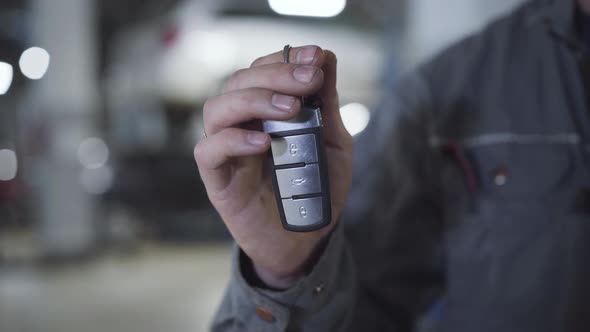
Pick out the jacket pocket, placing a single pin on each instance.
(523, 171)
(505, 257)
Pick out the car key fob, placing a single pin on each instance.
(299, 168)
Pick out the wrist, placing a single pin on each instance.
(260, 276)
(276, 281)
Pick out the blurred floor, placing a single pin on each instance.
(159, 288)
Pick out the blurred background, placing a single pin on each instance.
(104, 222)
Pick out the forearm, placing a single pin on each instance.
(321, 301)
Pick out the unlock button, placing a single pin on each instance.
(294, 149)
(299, 181)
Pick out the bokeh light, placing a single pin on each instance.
(356, 117)
(8, 165)
(5, 77)
(93, 153)
(34, 62)
(97, 181)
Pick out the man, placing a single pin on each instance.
(479, 197)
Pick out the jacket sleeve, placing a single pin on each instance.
(381, 267)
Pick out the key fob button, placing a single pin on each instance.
(294, 149)
(299, 181)
(303, 212)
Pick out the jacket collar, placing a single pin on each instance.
(558, 14)
(559, 19)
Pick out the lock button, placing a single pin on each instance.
(303, 212)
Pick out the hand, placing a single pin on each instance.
(233, 164)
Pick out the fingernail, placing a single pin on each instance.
(257, 138)
(283, 102)
(306, 55)
(304, 74)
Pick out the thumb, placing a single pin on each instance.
(334, 129)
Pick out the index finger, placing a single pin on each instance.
(304, 55)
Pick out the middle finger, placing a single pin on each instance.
(286, 78)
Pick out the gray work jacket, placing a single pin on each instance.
(472, 191)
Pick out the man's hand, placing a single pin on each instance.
(233, 164)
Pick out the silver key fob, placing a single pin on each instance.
(300, 170)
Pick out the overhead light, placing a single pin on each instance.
(355, 117)
(314, 8)
(8, 165)
(34, 62)
(5, 77)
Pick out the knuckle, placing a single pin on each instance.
(233, 81)
(319, 76)
(207, 108)
(231, 136)
(348, 141)
(257, 61)
(280, 73)
(198, 153)
(242, 135)
(248, 99)
(204, 154)
(318, 81)
(331, 55)
(238, 136)
(227, 141)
